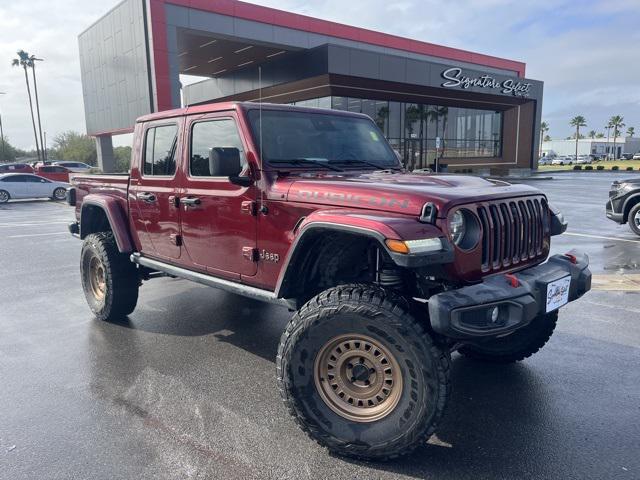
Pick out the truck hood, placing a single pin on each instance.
(399, 192)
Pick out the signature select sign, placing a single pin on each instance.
(455, 78)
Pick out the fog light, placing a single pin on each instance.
(493, 314)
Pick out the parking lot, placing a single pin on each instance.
(186, 388)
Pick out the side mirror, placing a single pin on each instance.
(226, 162)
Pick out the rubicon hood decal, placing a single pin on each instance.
(401, 193)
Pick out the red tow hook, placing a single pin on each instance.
(572, 258)
(513, 280)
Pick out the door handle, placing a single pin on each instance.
(190, 201)
(146, 197)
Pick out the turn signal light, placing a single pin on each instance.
(397, 246)
(572, 258)
(423, 245)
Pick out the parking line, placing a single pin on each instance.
(38, 224)
(38, 234)
(602, 238)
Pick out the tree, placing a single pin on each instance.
(592, 134)
(600, 135)
(616, 122)
(74, 146)
(25, 61)
(547, 138)
(578, 121)
(123, 158)
(630, 132)
(10, 152)
(544, 128)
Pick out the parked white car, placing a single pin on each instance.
(636, 156)
(582, 159)
(77, 167)
(564, 160)
(26, 185)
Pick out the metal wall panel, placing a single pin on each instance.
(113, 66)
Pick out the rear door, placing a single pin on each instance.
(153, 189)
(218, 218)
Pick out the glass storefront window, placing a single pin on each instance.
(412, 128)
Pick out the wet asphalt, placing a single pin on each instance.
(185, 389)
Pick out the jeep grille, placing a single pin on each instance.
(513, 232)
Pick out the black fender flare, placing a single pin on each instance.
(310, 231)
(628, 205)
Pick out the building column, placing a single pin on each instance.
(106, 159)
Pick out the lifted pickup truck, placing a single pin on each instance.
(388, 272)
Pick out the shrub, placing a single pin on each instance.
(629, 169)
(588, 167)
(577, 167)
(600, 167)
(615, 167)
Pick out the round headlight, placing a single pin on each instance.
(457, 227)
(464, 229)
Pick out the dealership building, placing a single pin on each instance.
(474, 111)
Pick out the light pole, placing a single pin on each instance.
(2, 132)
(33, 60)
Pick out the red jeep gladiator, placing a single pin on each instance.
(388, 272)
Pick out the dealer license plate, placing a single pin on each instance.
(558, 293)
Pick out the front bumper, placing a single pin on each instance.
(465, 313)
(612, 214)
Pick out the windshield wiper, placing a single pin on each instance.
(362, 162)
(305, 161)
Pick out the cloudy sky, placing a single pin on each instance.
(586, 52)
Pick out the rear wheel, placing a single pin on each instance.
(519, 345)
(4, 196)
(60, 193)
(634, 219)
(360, 374)
(109, 279)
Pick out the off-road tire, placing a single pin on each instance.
(358, 309)
(4, 196)
(633, 222)
(121, 281)
(59, 198)
(519, 345)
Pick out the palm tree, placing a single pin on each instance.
(630, 132)
(544, 128)
(592, 134)
(608, 127)
(25, 61)
(578, 121)
(617, 122)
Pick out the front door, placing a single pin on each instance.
(218, 218)
(153, 192)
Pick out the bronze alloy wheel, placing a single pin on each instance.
(358, 378)
(97, 280)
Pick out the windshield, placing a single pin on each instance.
(309, 139)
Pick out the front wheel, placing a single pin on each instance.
(109, 279)
(634, 219)
(360, 375)
(519, 345)
(4, 196)
(60, 193)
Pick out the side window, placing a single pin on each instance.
(215, 148)
(16, 179)
(35, 179)
(160, 149)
